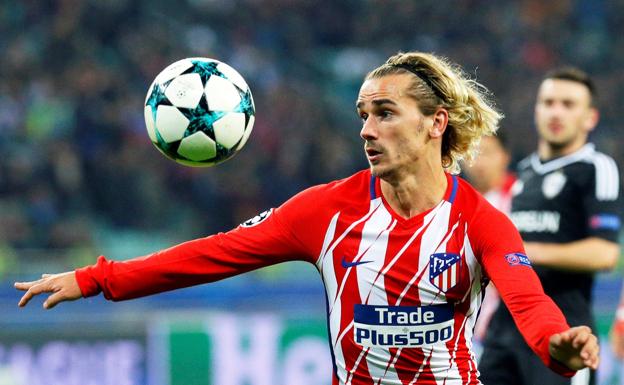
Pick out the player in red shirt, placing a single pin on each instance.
(404, 248)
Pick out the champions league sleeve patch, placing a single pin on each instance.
(605, 222)
(517, 259)
(257, 219)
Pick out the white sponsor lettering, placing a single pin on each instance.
(404, 317)
(536, 221)
(402, 336)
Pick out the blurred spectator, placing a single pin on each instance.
(75, 153)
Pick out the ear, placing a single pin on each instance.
(592, 119)
(440, 121)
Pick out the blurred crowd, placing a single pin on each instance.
(76, 159)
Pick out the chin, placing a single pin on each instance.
(559, 144)
(379, 172)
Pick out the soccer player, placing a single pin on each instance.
(404, 248)
(566, 206)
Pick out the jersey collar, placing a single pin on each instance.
(557, 163)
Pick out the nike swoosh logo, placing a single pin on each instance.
(347, 265)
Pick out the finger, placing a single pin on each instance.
(566, 337)
(594, 362)
(24, 285)
(53, 300)
(31, 292)
(555, 341)
(590, 354)
(580, 339)
(591, 347)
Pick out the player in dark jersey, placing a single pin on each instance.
(566, 206)
(404, 248)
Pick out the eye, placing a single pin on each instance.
(385, 114)
(363, 116)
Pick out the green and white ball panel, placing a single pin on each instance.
(229, 129)
(221, 94)
(233, 76)
(248, 129)
(185, 91)
(171, 124)
(149, 123)
(198, 147)
(173, 70)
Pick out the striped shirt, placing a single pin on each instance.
(403, 295)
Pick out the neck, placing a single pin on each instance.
(547, 150)
(415, 193)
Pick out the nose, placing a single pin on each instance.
(556, 110)
(368, 131)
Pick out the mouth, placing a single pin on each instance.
(372, 154)
(555, 128)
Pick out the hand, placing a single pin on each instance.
(576, 348)
(64, 287)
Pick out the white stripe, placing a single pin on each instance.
(375, 204)
(373, 248)
(454, 274)
(422, 366)
(453, 370)
(581, 377)
(329, 279)
(607, 177)
(344, 332)
(371, 285)
(430, 221)
(329, 235)
(476, 275)
(426, 222)
(326, 263)
(355, 366)
(544, 168)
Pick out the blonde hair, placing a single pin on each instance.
(439, 83)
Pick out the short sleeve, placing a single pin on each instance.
(602, 199)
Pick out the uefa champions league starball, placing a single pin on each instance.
(199, 112)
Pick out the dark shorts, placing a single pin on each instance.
(508, 360)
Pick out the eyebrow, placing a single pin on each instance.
(377, 102)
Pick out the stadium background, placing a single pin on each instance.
(79, 177)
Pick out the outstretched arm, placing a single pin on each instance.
(539, 320)
(64, 287)
(575, 348)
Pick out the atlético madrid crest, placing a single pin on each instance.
(444, 270)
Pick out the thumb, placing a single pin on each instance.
(556, 340)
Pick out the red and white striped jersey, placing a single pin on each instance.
(403, 294)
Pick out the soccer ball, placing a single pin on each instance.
(199, 112)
